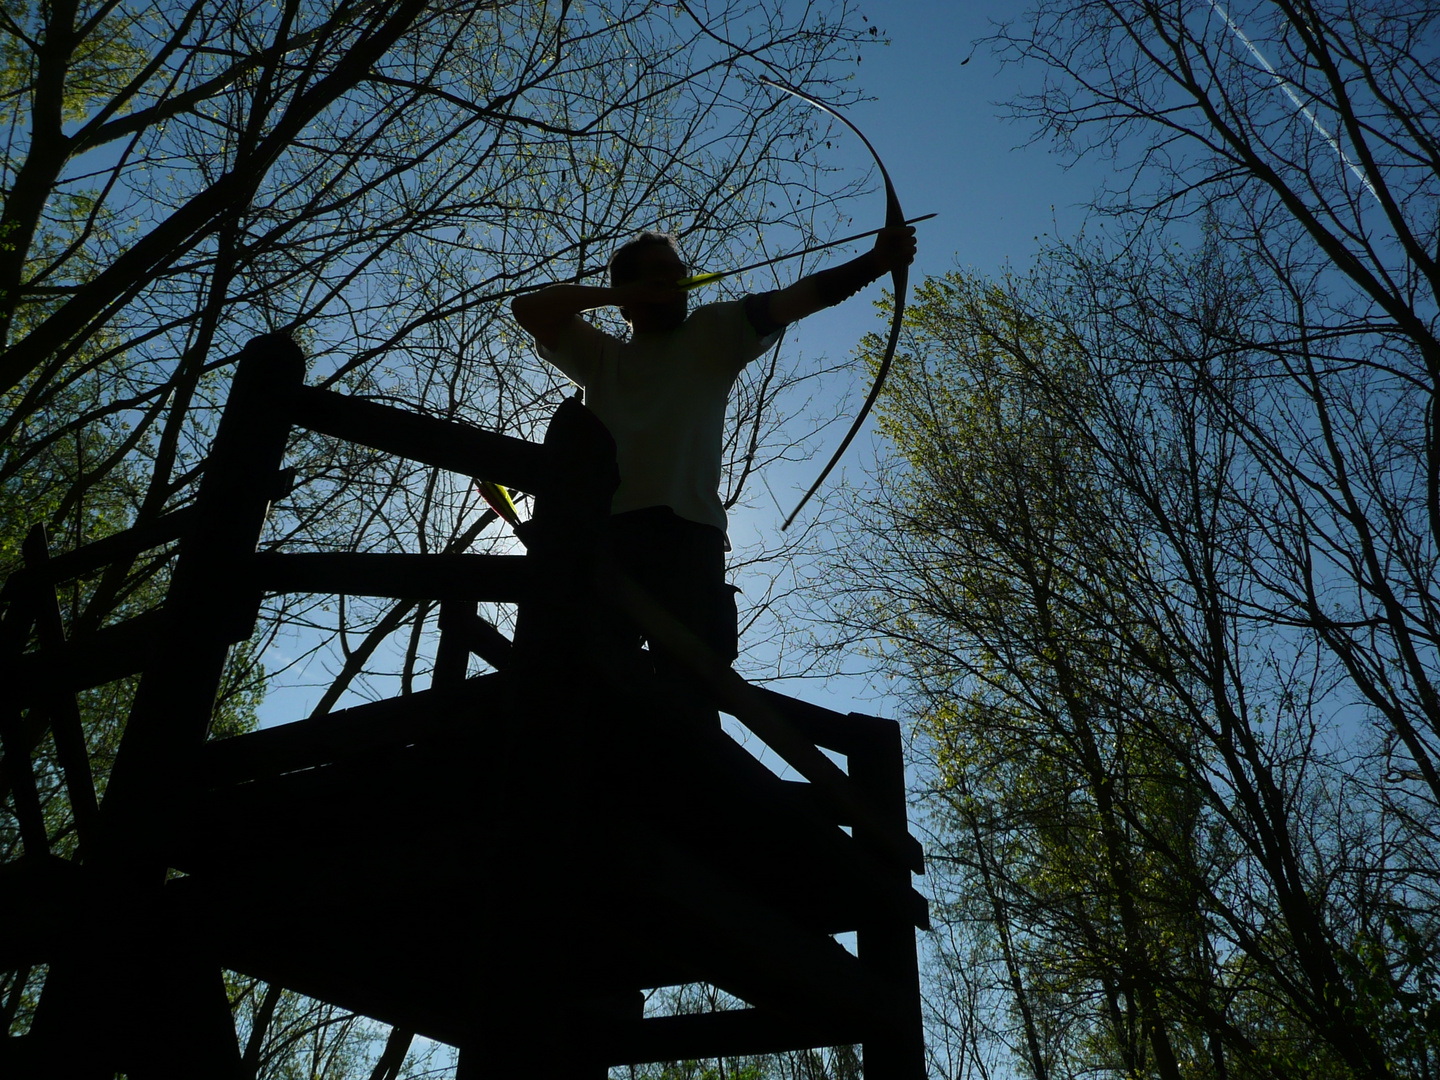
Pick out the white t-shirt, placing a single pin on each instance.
(663, 397)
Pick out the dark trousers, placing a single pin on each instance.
(681, 565)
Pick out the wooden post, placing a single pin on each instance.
(886, 947)
(552, 632)
(173, 1020)
(14, 630)
(212, 601)
(65, 723)
(563, 538)
(452, 654)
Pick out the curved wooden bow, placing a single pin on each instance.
(900, 276)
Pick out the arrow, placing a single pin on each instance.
(696, 280)
(499, 500)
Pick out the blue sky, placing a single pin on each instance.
(941, 128)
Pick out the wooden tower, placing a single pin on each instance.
(502, 862)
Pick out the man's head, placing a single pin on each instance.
(651, 258)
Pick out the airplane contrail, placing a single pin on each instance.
(1294, 97)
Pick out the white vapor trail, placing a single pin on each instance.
(1294, 97)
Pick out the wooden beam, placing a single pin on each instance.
(452, 658)
(103, 656)
(502, 578)
(467, 450)
(14, 631)
(735, 1033)
(466, 630)
(59, 693)
(92, 556)
(318, 740)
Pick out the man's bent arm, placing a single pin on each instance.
(544, 314)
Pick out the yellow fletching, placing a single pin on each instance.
(499, 500)
(697, 280)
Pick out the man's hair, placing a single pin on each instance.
(624, 264)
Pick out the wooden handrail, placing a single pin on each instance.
(844, 733)
(400, 576)
(740, 699)
(109, 549)
(467, 450)
(320, 740)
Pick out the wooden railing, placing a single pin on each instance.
(220, 578)
(218, 581)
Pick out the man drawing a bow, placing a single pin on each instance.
(663, 393)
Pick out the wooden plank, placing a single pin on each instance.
(735, 1033)
(502, 578)
(358, 730)
(103, 656)
(737, 697)
(59, 694)
(467, 450)
(840, 732)
(112, 548)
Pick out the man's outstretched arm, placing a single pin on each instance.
(893, 247)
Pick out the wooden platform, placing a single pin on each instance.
(496, 861)
(606, 852)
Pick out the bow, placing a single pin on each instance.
(900, 276)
